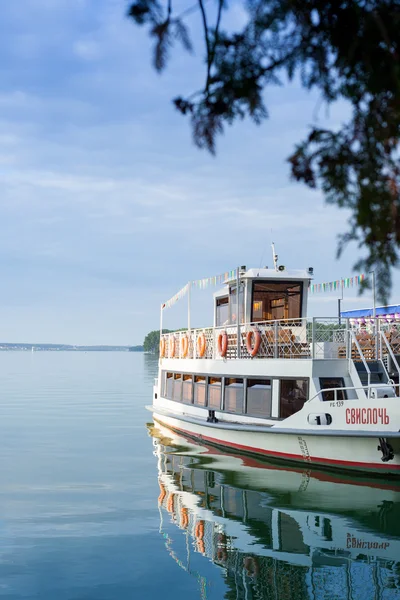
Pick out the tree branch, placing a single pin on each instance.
(207, 40)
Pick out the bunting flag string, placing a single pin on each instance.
(339, 284)
(201, 284)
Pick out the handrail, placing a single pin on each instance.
(352, 335)
(350, 388)
(392, 356)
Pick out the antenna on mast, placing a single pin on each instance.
(274, 257)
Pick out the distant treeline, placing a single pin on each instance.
(152, 340)
(61, 347)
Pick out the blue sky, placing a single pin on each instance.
(107, 208)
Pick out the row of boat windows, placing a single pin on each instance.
(248, 396)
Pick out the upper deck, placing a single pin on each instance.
(311, 338)
(262, 314)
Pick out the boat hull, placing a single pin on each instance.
(345, 452)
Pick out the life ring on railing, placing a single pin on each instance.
(162, 348)
(201, 345)
(172, 346)
(222, 344)
(184, 346)
(252, 350)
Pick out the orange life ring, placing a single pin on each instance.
(252, 350)
(162, 347)
(222, 344)
(201, 345)
(172, 346)
(184, 346)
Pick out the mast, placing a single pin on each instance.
(274, 257)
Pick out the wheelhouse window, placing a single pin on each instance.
(332, 382)
(187, 389)
(200, 390)
(236, 311)
(276, 300)
(214, 392)
(222, 314)
(293, 394)
(234, 395)
(259, 397)
(169, 387)
(177, 386)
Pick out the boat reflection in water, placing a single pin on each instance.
(276, 532)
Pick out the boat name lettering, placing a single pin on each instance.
(354, 542)
(367, 416)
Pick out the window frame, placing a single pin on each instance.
(343, 392)
(283, 281)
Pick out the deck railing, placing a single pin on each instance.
(316, 338)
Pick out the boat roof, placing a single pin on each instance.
(283, 274)
(368, 312)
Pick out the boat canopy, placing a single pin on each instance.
(393, 309)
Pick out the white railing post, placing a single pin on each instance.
(238, 307)
(276, 355)
(313, 338)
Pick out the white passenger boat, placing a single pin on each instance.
(267, 380)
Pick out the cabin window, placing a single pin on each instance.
(293, 394)
(234, 394)
(332, 382)
(187, 389)
(200, 390)
(276, 300)
(177, 386)
(214, 392)
(259, 397)
(169, 388)
(234, 310)
(222, 316)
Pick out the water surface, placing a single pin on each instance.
(95, 504)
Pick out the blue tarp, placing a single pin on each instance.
(368, 312)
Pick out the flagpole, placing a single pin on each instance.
(189, 288)
(373, 295)
(161, 321)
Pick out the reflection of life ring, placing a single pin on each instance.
(170, 503)
(184, 517)
(199, 530)
(251, 566)
(222, 555)
(201, 345)
(163, 493)
(162, 347)
(252, 350)
(184, 346)
(222, 343)
(199, 534)
(172, 346)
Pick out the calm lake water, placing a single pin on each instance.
(96, 503)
